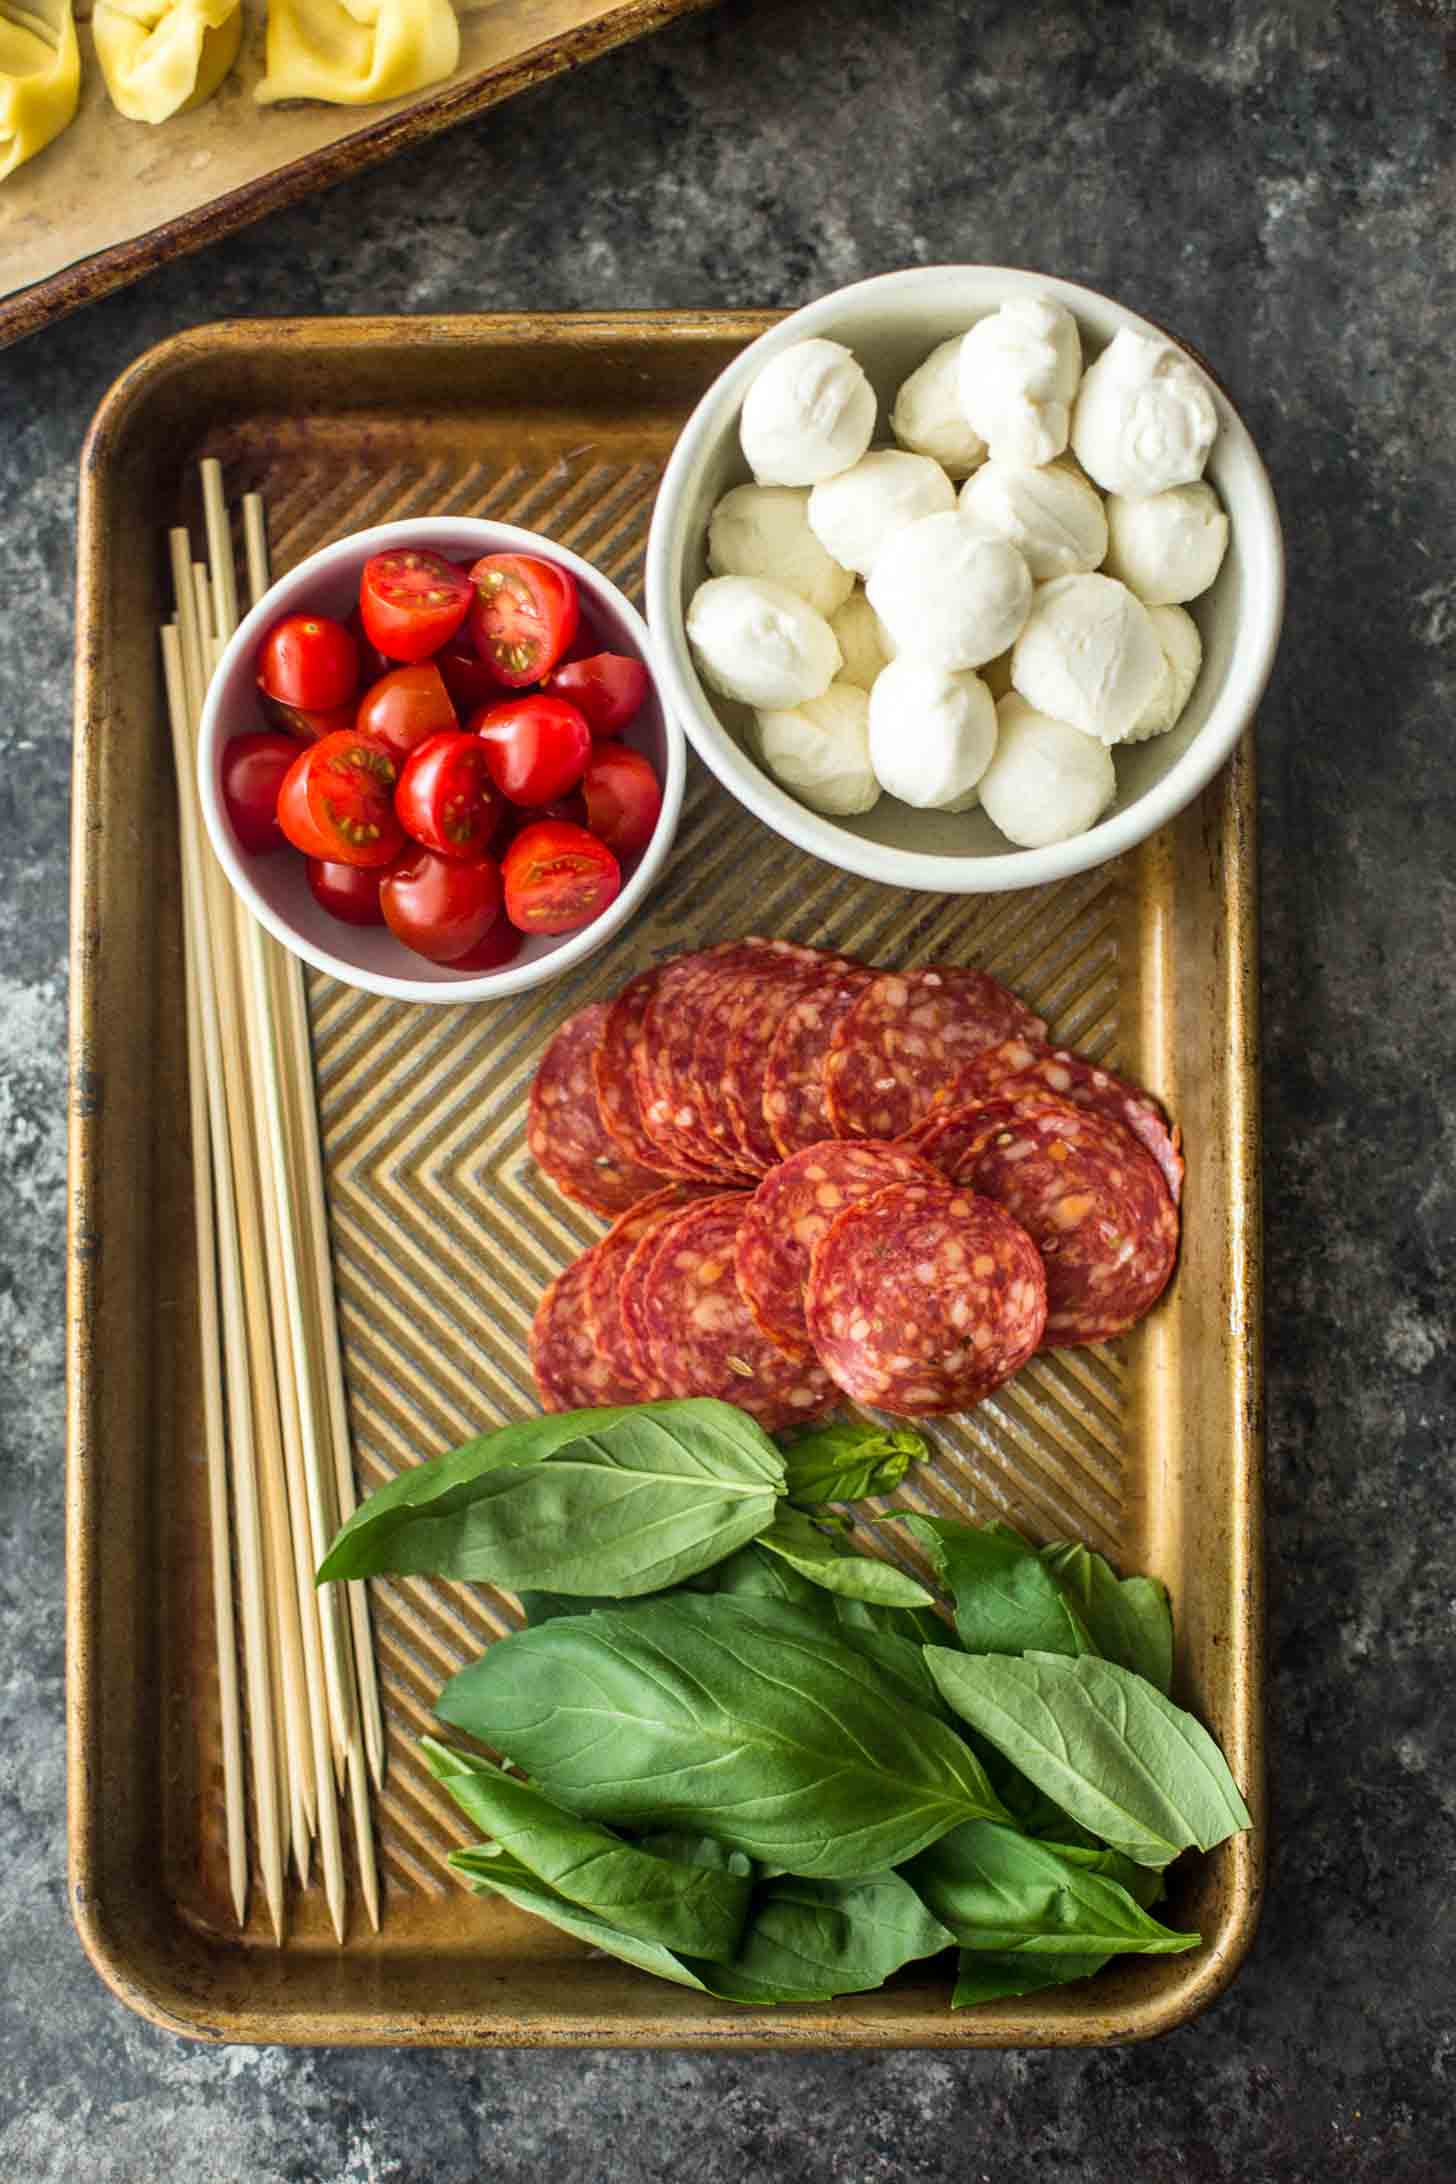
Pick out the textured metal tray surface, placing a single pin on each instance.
(444, 1232)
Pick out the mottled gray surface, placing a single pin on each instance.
(1279, 184)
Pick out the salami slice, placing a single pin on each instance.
(1083, 1187)
(1021, 1066)
(674, 1108)
(754, 1019)
(571, 1373)
(701, 1337)
(789, 1212)
(923, 1299)
(616, 1074)
(906, 1040)
(759, 967)
(565, 1131)
(793, 1077)
(601, 1294)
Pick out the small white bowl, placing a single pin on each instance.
(891, 324)
(275, 888)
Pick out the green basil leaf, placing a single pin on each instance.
(699, 1850)
(1005, 1598)
(753, 1575)
(892, 1638)
(1143, 1883)
(504, 1876)
(808, 1941)
(727, 1715)
(849, 1460)
(1104, 1744)
(986, 1978)
(626, 1502)
(998, 1890)
(1128, 1618)
(798, 1542)
(686, 1908)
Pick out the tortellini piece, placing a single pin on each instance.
(40, 77)
(355, 52)
(163, 57)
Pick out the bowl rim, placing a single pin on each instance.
(281, 596)
(937, 872)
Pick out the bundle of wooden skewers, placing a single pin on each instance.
(280, 1467)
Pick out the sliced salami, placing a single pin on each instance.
(565, 1130)
(754, 1019)
(1020, 1066)
(766, 969)
(674, 1108)
(601, 1293)
(793, 1077)
(1083, 1187)
(571, 1373)
(616, 1072)
(906, 1040)
(923, 1299)
(789, 1212)
(700, 1335)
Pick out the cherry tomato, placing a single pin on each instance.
(558, 877)
(442, 907)
(608, 688)
(253, 768)
(337, 801)
(536, 748)
(346, 891)
(310, 661)
(466, 676)
(623, 799)
(412, 602)
(570, 808)
(523, 616)
(406, 707)
(372, 662)
(445, 797)
(307, 727)
(500, 945)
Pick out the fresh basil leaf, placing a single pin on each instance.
(724, 1714)
(892, 1638)
(795, 1540)
(686, 1908)
(753, 1575)
(998, 1890)
(1143, 1883)
(986, 1978)
(501, 1875)
(849, 1460)
(808, 1941)
(1128, 1618)
(1005, 1598)
(1104, 1744)
(699, 1850)
(627, 1502)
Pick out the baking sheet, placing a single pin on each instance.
(445, 1234)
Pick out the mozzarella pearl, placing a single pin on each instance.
(862, 639)
(1169, 547)
(1144, 419)
(763, 530)
(1089, 655)
(760, 644)
(1019, 370)
(932, 733)
(948, 594)
(819, 750)
(928, 418)
(855, 515)
(1183, 650)
(809, 414)
(1047, 780)
(1053, 516)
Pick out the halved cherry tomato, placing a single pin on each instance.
(442, 907)
(346, 891)
(372, 662)
(523, 616)
(445, 797)
(500, 945)
(469, 680)
(307, 727)
(337, 801)
(253, 769)
(623, 800)
(536, 748)
(406, 707)
(608, 688)
(558, 877)
(309, 660)
(412, 602)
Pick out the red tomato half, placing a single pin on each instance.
(466, 676)
(622, 798)
(309, 660)
(608, 688)
(412, 602)
(536, 748)
(253, 770)
(372, 662)
(523, 616)
(406, 707)
(500, 945)
(346, 891)
(442, 907)
(558, 877)
(445, 797)
(307, 727)
(337, 801)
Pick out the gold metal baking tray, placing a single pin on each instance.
(445, 1234)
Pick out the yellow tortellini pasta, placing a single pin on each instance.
(40, 77)
(354, 52)
(161, 57)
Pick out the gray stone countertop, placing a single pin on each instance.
(1279, 183)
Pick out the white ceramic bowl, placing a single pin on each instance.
(275, 888)
(892, 323)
